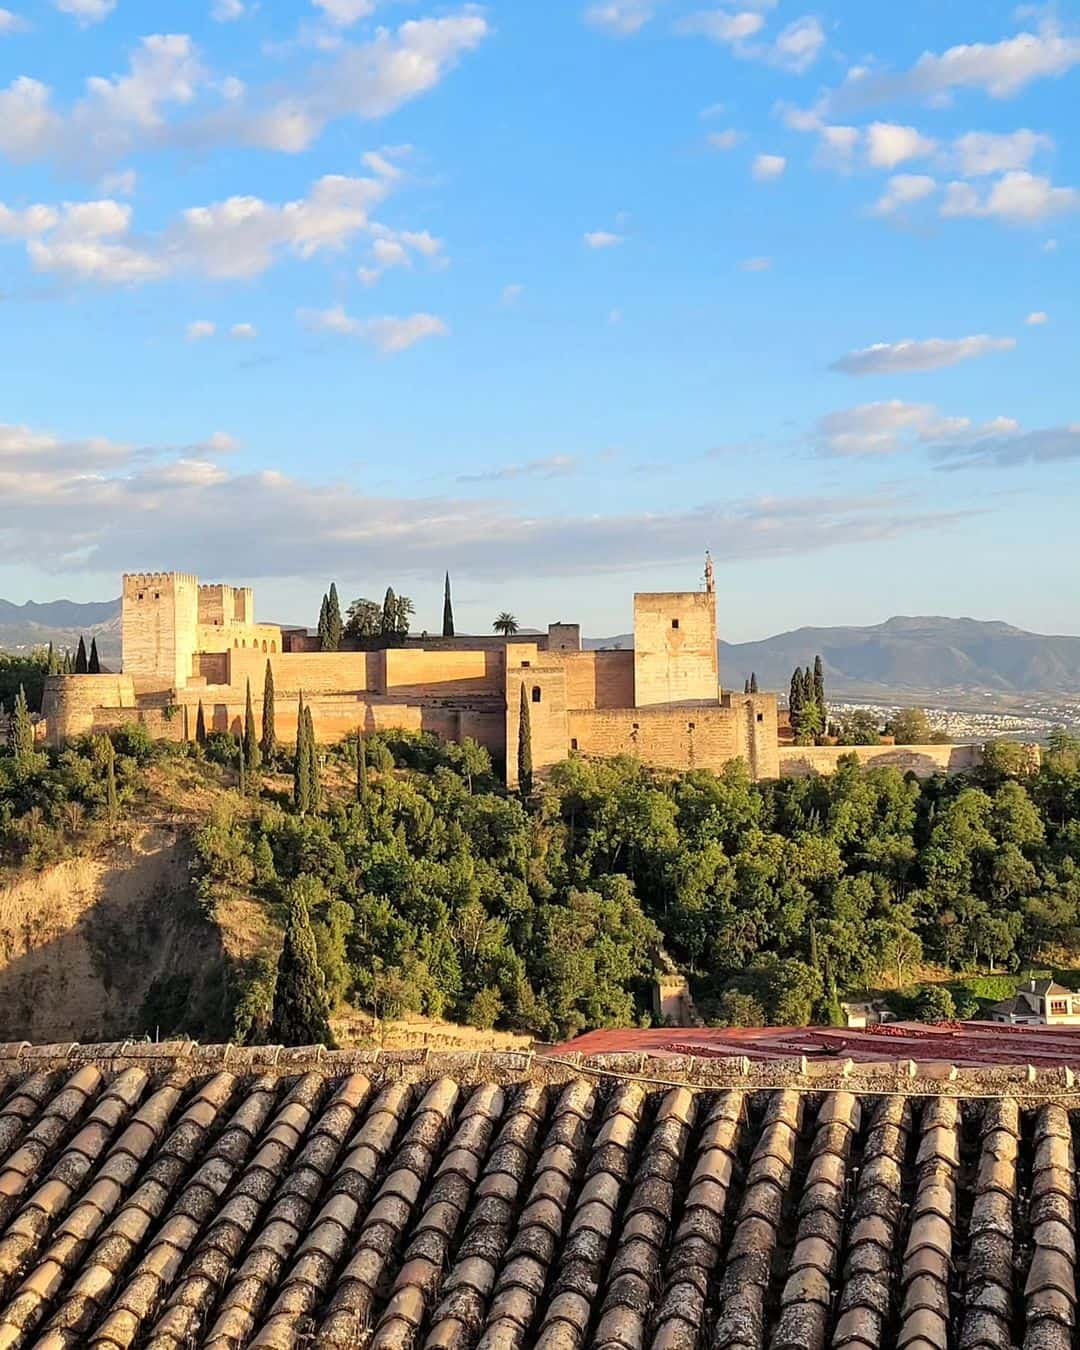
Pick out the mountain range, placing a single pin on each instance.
(902, 656)
(908, 655)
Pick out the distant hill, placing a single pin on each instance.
(61, 622)
(903, 655)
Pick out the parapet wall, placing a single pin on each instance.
(675, 656)
(71, 703)
(597, 679)
(799, 761)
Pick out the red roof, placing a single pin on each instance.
(967, 1044)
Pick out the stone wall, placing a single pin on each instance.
(160, 612)
(312, 672)
(545, 689)
(670, 738)
(413, 673)
(799, 761)
(675, 658)
(264, 637)
(71, 703)
(598, 679)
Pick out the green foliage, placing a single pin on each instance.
(448, 610)
(134, 740)
(301, 1014)
(22, 730)
(93, 664)
(252, 753)
(485, 1008)
(82, 666)
(334, 625)
(221, 748)
(26, 673)
(935, 1004)
(735, 1009)
(524, 747)
(268, 740)
(200, 725)
(505, 623)
(859, 728)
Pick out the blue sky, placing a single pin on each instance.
(554, 295)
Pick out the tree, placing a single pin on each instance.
(746, 685)
(935, 1004)
(819, 689)
(389, 613)
(301, 1014)
(241, 783)
(22, 729)
(54, 665)
(364, 619)
(795, 697)
(524, 747)
(859, 728)
(268, 744)
(252, 754)
(334, 626)
(505, 623)
(361, 767)
(200, 726)
(753, 682)
(68, 665)
(81, 664)
(93, 665)
(324, 624)
(314, 786)
(447, 610)
(301, 762)
(910, 726)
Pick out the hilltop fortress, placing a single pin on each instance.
(661, 701)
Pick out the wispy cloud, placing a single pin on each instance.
(891, 358)
(387, 332)
(893, 426)
(767, 168)
(602, 239)
(1018, 198)
(550, 466)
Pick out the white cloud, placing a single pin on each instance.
(724, 140)
(1000, 69)
(766, 168)
(511, 294)
(388, 333)
(756, 264)
(986, 152)
(199, 329)
(343, 13)
(96, 506)
(26, 222)
(798, 45)
(836, 148)
(10, 23)
(720, 25)
(1037, 316)
(1017, 197)
(122, 114)
(888, 144)
(1050, 246)
(602, 239)
(623, 18)
(121, 184)
(550, 466)
(903, 189)
(227, 11)
(243, 332)
(889, 427)
(396, 248)
(86, 11)
(1010, 447)
(891, 358)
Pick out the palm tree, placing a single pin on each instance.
(506, 624)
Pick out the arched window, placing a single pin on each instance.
(236, 642)
(536, 693)
(273, 646)
(264, 644)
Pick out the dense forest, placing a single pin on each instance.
(427, 887)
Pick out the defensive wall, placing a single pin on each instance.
(800, 761)
(675, 655)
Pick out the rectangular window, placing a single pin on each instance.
(573, 742)
(690, 726)
(634, 726)
(674, 623)
(761, 717)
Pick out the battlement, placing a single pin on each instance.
(135, 579)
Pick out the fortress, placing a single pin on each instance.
(184, 643)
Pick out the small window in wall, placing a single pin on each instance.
(236, 642)
(761, 717)
(573, 742)
(525, 665)
(634, 726)
(273, 646)
(157, 595)
(141, 595)
(690, 726)
(674, 623)
(536, 693)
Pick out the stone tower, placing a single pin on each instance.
(160, 628)
(675, 659)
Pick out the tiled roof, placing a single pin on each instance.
(173, 1197)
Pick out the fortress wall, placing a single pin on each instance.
(599, 679)
(70, 703)
(264, 637)
(547, 717)
(487, 728)
(420, 673)
(799, 761)
(675, 657)
(704, 737)
(312, 672)
(756, 716)
(159, 625)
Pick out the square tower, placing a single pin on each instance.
(675, 659)
(160, 618)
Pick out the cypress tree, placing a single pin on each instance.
(200, 726)
(746, 686)
(334, 625)
(241, 782)
(795, 696)
(314, 786)
(22, 728)
(93, 665)
(324, 620)
(80, 659)
(361, 767)
(111, 802)
(53, 667)
(300, 773)
(67, 667)
(269, 734)
(819, 688)
(252, 755)
(753, 682)
(447, 610)
(301, 1013)
(524, 747)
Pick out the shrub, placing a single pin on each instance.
(222, 748)
(485, 1009)
(934, 1004)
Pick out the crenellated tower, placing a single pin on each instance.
(160, 628)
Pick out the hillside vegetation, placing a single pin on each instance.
(430, 890)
